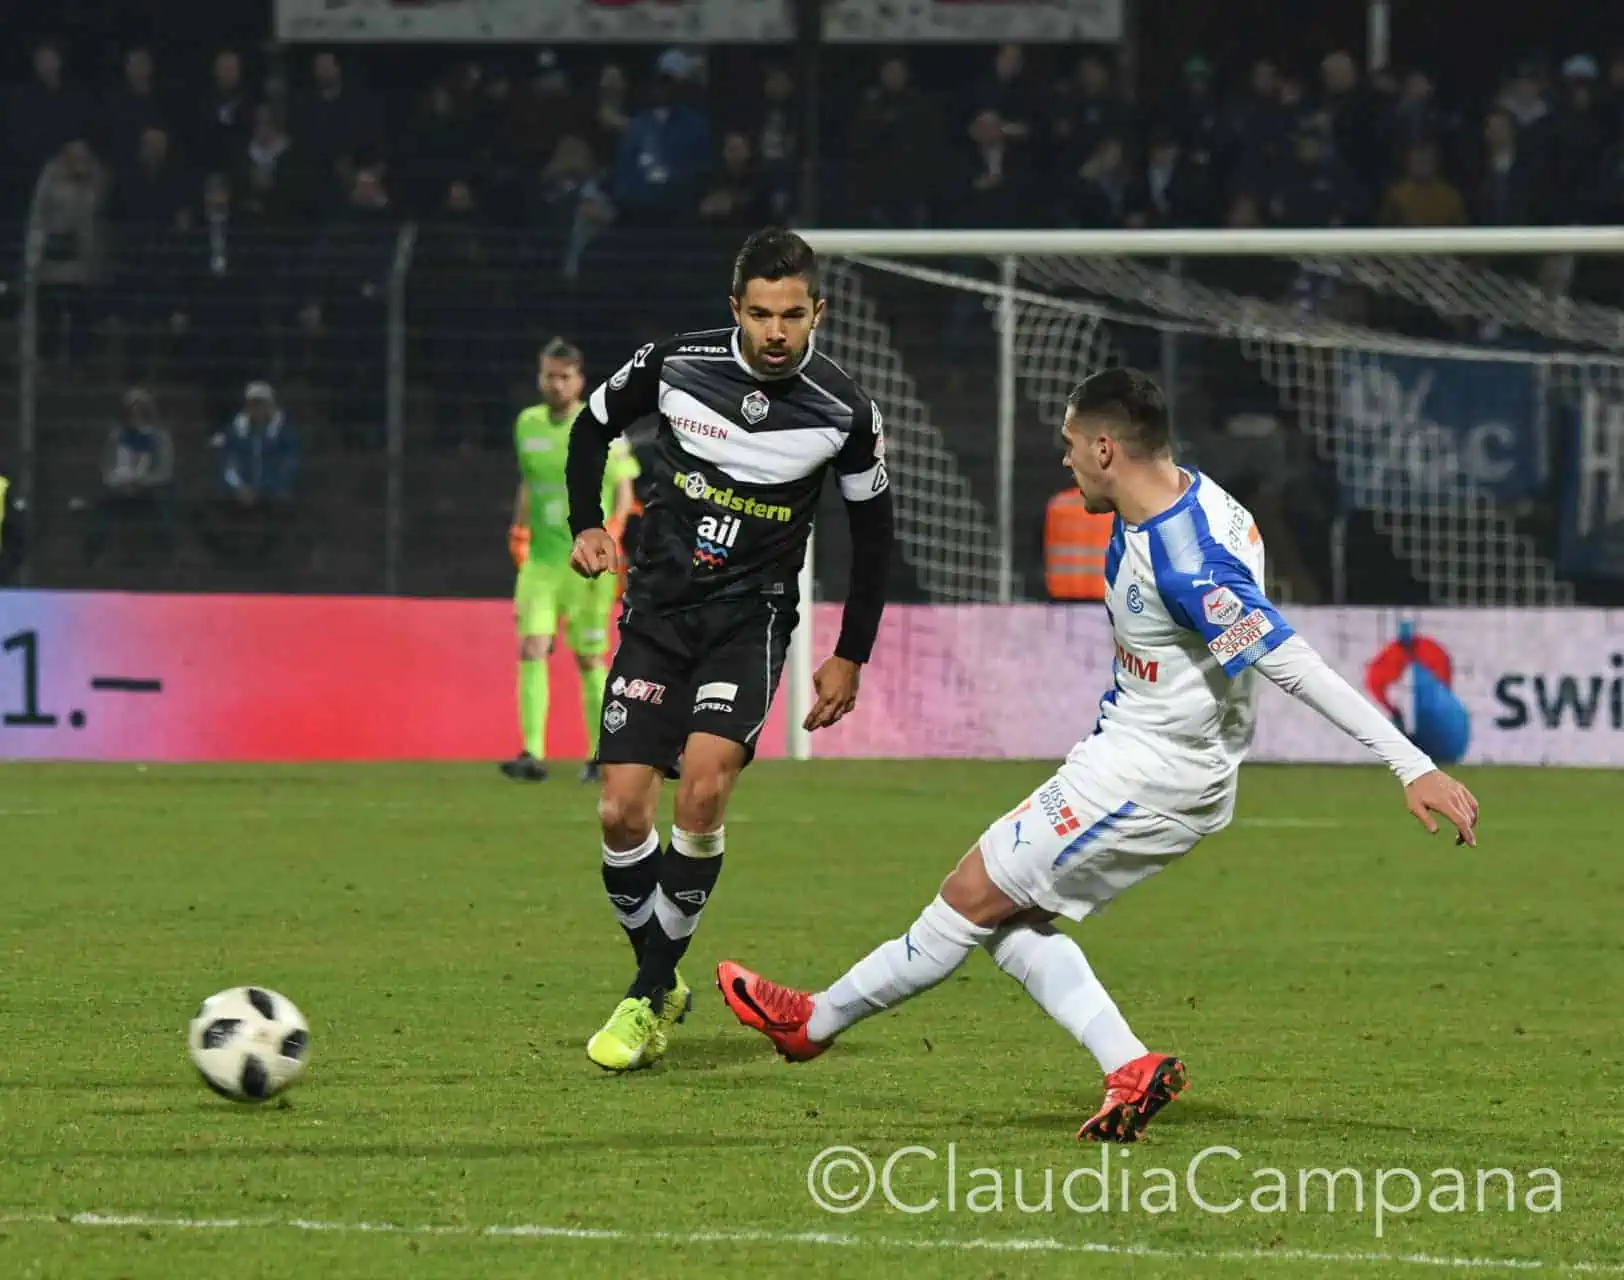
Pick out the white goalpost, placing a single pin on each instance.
(1490, 313)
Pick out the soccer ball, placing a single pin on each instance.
(249, 1043)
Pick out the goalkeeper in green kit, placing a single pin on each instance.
(540, 542)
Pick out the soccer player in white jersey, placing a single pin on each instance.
(1195, 639)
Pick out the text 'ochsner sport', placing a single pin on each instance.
(921, 1180)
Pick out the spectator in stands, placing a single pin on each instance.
(1350, 111)
(1318, 189)
(335, 125)
(502, 167)
(1100, 191)
(1581, 132)
(1601, 199)
(1244, 211)
(1170, 190)
(1008, 92)
(227, 117)
(132, 108)
(1523, 98)
(543, 111)
(1417, 116)
(991, 190)
(894, 143)
(69, 213)
(1422, 197)
(778, 143)
(611, 112)
(272, 181)
(348, 310)
(735, 197)
(1195, 122)
(452, 284)
(206, 284)
(1086, 110)
(1257, 128)
(1505, 189)
(137, 473)
(258, 456)
(439, 150)
(571, 199)
(149, 190)
(47, 113)
(664, 156)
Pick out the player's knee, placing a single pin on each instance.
(702, 798)
(589, 662)
(534, 648)
(627, 818)
(970, 891)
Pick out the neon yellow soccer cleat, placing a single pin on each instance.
(623, 1043)
(678, 1002)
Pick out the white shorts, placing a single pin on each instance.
(1074, 845)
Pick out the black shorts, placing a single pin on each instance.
(711, 669)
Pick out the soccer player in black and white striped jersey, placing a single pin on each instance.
(750, 420)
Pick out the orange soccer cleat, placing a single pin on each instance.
(1133, 1095)
(779, 1013)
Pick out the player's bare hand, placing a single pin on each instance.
(836, 685)
(1437, 792)
(595, 553)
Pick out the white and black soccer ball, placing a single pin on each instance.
(249, 1043)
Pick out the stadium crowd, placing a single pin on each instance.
(551, 140)
(171, 195)
(231, 217)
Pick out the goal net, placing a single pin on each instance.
(1415, 417)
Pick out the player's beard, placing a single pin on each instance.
(785, 358)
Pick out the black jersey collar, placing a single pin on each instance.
(738, 356)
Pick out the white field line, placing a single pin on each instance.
(821, 1239)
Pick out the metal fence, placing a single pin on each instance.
(399, 355)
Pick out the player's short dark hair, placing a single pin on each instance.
(1134, 400)
(775, 253)
(558, 349)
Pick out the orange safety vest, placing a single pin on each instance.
(1074, 543)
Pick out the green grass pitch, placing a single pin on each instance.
(1348, 993)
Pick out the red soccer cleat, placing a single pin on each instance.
(779, 1013)
(1133, 1095)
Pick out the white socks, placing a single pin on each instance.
(937, 944)
(1056, 974)
(1047, 963)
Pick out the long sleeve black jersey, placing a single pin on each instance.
(734, 475)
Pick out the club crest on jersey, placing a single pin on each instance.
(755, 406)
(1136, 598)
(714, 539)
(1221, 606)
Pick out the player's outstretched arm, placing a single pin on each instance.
(866, 487)
(1295, 667)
